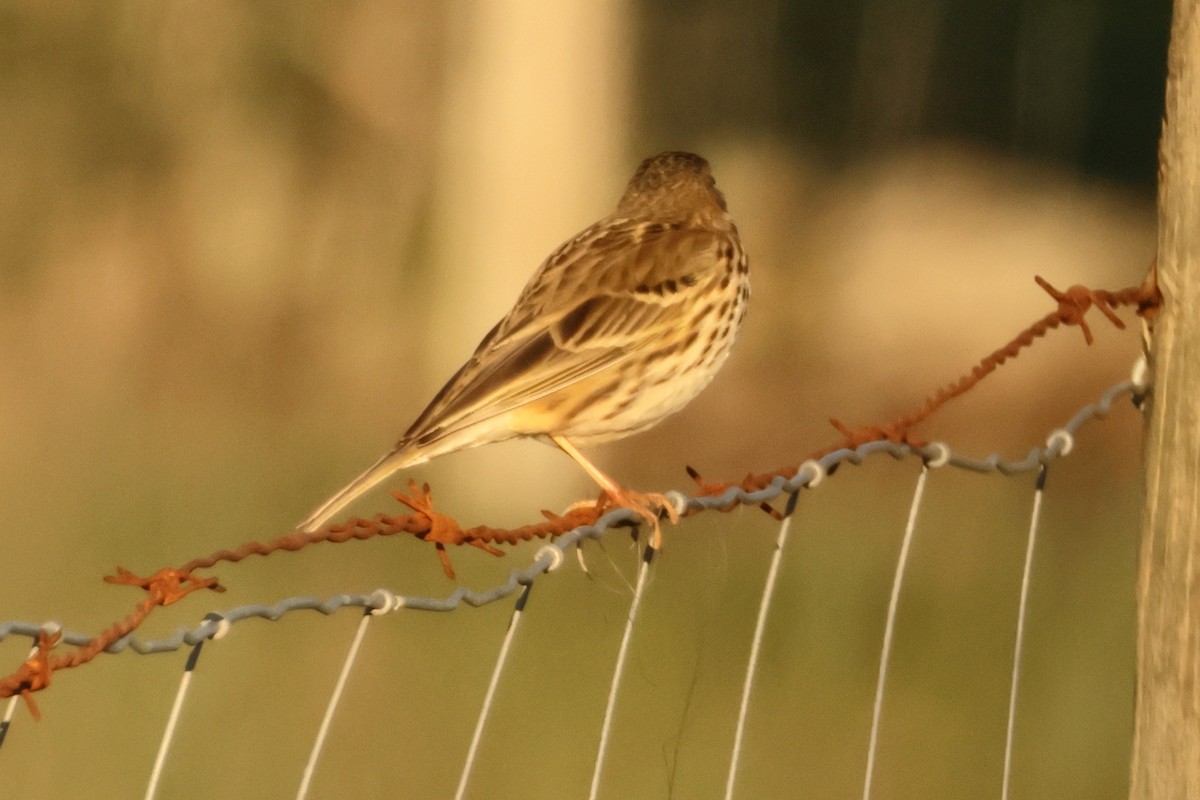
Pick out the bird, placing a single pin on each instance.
(620, 327)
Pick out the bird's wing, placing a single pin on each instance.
(618, 287)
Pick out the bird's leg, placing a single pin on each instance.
(647, 505)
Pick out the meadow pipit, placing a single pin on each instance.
(620, 327)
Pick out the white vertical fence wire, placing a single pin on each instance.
(168, 736)
(1034, 521)
(486, 710)
(334, 699)
(618, 671)
(889, 628)
(760, 626)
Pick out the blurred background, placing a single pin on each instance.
(242, 245)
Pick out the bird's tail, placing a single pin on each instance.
(371, 477)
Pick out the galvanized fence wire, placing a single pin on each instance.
(809, 474)
(551, 554)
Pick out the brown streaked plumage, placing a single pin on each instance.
(620, 327)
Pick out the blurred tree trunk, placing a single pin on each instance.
(532, 149)
(1166, 749)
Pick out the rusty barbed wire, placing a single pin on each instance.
(1058, 444)
(425, 524)
(587, 519)
(163, 588)
(1073, 305)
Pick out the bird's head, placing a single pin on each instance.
(672, 186)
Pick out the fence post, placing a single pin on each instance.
(1166, 748)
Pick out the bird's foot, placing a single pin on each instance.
(650, 506)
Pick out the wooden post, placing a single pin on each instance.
(1166, 748)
